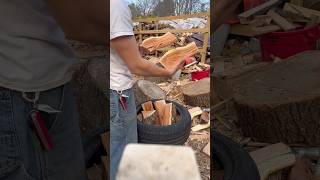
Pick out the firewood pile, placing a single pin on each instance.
(194, 94)
(272, 16)
(158, 113)
(238, 62)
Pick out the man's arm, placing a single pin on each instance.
(82, 19)
(126, 47)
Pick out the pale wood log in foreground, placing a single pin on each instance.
(178, 55)
(154, 43)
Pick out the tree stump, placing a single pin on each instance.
(145, 91)
(223, 85)
(281, 103)
(197, 93)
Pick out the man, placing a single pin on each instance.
(35, 94)
(124, 60)
(222, 10)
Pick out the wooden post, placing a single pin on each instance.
(140, 35)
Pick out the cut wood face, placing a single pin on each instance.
(154, 43)
(167, 115)
(147, 106)
(176, 56)
(160, 107)
(295, 79)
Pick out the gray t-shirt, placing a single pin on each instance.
(34, 55)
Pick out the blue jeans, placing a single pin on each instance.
(123, 127)
(21, 154)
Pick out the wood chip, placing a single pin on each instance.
(206, 149)
(196, 111)
(201, 127)
(281, 21)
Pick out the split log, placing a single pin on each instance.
(247, 16)
(281, 103)
(160, 107)
(145, 91)
(167, 115)
(194, 112)
(154, 43)
(273, 158)
(150, 117)
(281, 21)
(197, 93)
(200, 127)
(147, 106)
(178, 55)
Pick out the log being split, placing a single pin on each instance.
(177, 56)
(281, 103)
(154, 43)
(145, 91)
(197, 93)
(150, 117)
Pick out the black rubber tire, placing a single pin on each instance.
(236, 162)
(175, 134)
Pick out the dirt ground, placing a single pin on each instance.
(198, 143)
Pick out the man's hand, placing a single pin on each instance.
(81, 19)
(127, 48)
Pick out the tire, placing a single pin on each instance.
(236, 162)
(175, 134)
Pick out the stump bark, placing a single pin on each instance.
(197, 93)
(281, 103)
(145, 91)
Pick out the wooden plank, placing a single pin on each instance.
(261, 9)
(275, 164)
(160, 107)
(300, 10)
(147, 106)
(154, 43)
(281, 21)
(163, 31)
(176, 56)
(200, 127)
(186, 16)
(246, 30)
(269, 152)
(167, 115)
(194, 112)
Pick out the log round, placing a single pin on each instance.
(145, 91)
(197, 93)
(281, 103)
